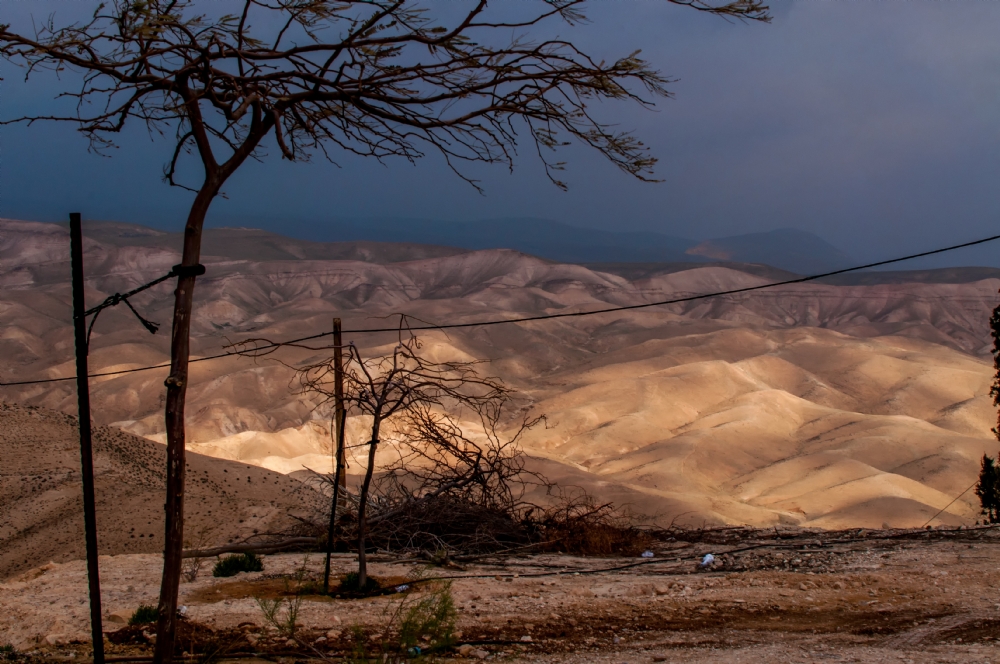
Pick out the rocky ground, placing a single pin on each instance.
(789, 596)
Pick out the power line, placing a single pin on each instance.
(528, 319)
(954, 500)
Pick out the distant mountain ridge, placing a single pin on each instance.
(786, 249)
(399, 240)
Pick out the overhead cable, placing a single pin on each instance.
(541, 317)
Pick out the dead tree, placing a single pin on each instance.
(406, 396)
(376, 78)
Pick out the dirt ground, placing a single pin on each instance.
(789, 596)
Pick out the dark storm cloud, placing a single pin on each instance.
(872, 124)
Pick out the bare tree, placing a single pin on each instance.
(378, 78)
(417, 399)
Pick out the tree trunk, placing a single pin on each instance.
(176, 390)
(362, 513)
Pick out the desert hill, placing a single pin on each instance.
(856, 401)
(41, 505)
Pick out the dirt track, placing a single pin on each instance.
(842, 600)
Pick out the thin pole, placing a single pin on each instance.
(86, 444)
(341, 414)
(340, 472)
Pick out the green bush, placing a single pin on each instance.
(144, 615)
(350, 584)
(8, 653)
(241, 562)
(414, 631)
(430, 623)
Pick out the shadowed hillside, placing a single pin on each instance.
(41, 504)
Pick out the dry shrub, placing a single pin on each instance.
(579, 525)
(451, 524)
(451, 527)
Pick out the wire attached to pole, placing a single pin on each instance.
(118, 298)
(528, 319)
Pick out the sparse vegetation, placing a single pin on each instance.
(988, 489)
(414, 629)
(351, 583)
(144, 615)
(8, 653)
(403, 394)
(193, 566)
(287, 621)
(430, 622)
(236, 563)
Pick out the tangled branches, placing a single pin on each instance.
(418, 406)
(451, 478)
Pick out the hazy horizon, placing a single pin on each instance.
(870, 125)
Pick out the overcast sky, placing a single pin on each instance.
(874, 124)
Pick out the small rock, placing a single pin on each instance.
(55, 639)
(333, 634)
(555, 616)
(480, 654)
(526, 638)
(320, 639)
(291, 642)
(616, 639)
(838, 585)
(457, 635)
(572, 622)
(465, 650)
(661, 590)
(120, 617)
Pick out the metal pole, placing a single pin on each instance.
(340, 472)
(86, 446)
(338, 392)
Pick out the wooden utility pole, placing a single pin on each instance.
(340, 468)
(86, 444)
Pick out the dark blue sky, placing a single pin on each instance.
(873, 124)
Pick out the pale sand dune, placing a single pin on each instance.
(827, 404)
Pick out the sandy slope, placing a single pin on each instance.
(835, 404)
(41, 505)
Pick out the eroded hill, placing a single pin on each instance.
(854, 402)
